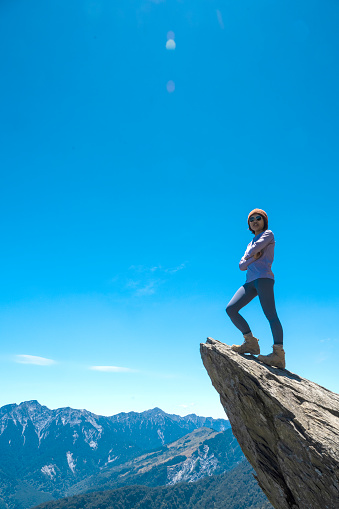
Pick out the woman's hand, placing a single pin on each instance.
(257, 255)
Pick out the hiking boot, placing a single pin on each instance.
(276, 358)
(250, 345)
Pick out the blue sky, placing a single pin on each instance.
(124, 205)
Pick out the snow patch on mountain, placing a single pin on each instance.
(111, 460)
(4, 423)
(90, 419)
(72, 420)
(92, 434)
(70, 461)
(193, 469)
(161, 436)
(49, 470)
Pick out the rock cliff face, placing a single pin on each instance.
(287, 427)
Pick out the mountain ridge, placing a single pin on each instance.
(27, 406)
(49, 451)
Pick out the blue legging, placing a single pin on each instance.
(263, 287)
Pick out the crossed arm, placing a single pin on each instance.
(256, 250)
(245, 262)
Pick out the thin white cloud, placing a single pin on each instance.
(142, 268)
(131, 283)
(159, 268)
(143, 288)
(148, 289)
(146, 280)
(176, 269)
(34, 359)
(112, 369)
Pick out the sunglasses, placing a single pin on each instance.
(253, 218)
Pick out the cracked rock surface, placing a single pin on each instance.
(287, 427)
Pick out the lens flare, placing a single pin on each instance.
(170, 44)
(170, 86)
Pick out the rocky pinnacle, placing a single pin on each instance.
(287, 427)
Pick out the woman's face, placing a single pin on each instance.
(257, 223)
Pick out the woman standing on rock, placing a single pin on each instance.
(257, 260)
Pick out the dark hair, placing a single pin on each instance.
(265, 224)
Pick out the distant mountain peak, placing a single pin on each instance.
(154, 411)
(32, 402)
(32, 405)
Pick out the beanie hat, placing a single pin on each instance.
(263, 215)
